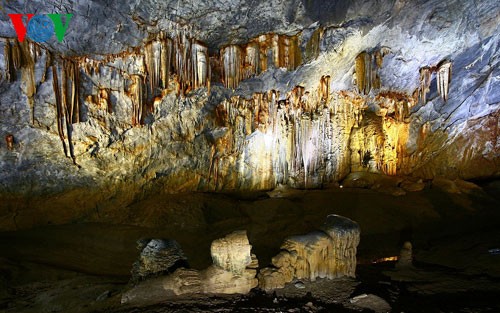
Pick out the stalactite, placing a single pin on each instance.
(136, 93)
(252, 59)
(312, 47)
(67, 102)
(361, 77)
(11, 70)
(367, 65)
(22, 56)
(425, 83)
(28, 55)
(297, 130)
(201, 64)
(245, 61)
(71, 90)
(152, 60)
(444, 78)
(59, 108)
(324, 89)
(166, 60)
(231, 62)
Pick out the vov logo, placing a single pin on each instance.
(40, 28)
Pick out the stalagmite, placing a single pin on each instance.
(405, 259)
(328, 253)
(104, 100)
(444, 78)
(233, 271)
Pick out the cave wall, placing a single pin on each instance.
(234, 95)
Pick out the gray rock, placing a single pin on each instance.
(158, 257)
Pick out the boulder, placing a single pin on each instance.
(158, 256)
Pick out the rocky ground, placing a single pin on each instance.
(85, 267)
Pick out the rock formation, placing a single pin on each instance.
(244, 96)
(233, 272)
(329, 253)
(405, 259)
(158, 257)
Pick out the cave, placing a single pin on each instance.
(249, 156)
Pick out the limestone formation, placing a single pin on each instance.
(328, 253)
(233, 272)
(294, 117)
(158, 257)
(443, 79)
(405, 259)
(232, 253)
(367, 64)
(240, 62)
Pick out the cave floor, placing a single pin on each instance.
(84, 266)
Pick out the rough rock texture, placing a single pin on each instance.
(134, 100)
(158, 256)
(329, 253)
(233, 272)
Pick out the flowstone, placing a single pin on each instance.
(328, 253)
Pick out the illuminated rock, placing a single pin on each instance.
(329, 253)
(443, 79)
(367, 65)
(232, 253)
(233, 272)
(160, 68)
(244, 61)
